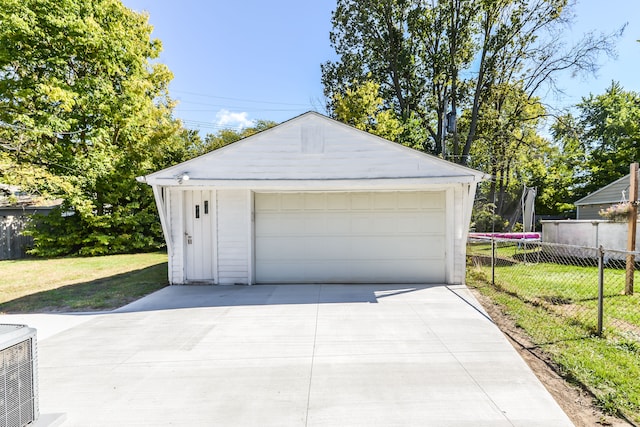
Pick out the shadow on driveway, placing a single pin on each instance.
(190, 296)
(292, 355)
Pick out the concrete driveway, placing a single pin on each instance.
(287, 355)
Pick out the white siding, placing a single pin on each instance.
(235, 240)
(176, 262)
(306, 154)
(464, 204)
(304, 160)
(314, 147)
(234, 235)
(459, 231)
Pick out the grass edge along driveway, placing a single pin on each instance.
(608, 367)
(79, 283)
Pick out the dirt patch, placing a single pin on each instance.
(576, 402)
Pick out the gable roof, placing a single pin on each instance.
(313, 147)
(610, 193)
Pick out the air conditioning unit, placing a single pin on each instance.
(18, 375)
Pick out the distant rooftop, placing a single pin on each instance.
(12, 197)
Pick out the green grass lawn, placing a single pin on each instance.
(610, 365)
(79, 284)
(503, 250)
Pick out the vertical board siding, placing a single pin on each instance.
(467, 197)
(177, 239)
(459, 237)
(13, 244)
(234, 214)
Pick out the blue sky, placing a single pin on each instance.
(238, 61)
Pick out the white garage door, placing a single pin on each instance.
(377, 237)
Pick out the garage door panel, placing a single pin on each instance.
(275, 224)
(397, 247)
(315, 201)
(386, 223)
(328, 248)
(360, 201)
(288, 248)
(408, 222)
(269, 224)
(384, 201)
(321, 271)
(291, 201)
(296, 225)
(368, 248)
(287, 272)
(338, 201)
(361, 223)
(406, 271)
(411, 224)
(434, 250)
(267, 202)
(409, 200)
(338, 224)
(275, 248)
(434, 217)
(431, 200)
(355, 271)
(350, 237)
(406, 247)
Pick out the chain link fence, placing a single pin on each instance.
(589, 287)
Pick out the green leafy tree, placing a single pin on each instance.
(555, 182)
(605, 132)
(362, 108)
(484, 219)
(397, 44)
(449, 56)
(83, 111)
(224, 137)
(508, 146)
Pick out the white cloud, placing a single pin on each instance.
(229, 120)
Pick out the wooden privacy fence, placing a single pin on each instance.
(13, 244)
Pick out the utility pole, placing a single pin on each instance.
(631, 234)
(444, 128)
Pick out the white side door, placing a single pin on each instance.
(199, 229)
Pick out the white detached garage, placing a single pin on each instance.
(315, 201)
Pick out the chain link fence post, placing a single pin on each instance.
(493, 261)
(571, 283)
(600, 289)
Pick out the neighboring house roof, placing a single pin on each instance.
(312, 147)
(611, 193)
(13, 202)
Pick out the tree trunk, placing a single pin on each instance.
(453, 51)
(476, 96)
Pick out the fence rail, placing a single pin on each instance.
(587, 286)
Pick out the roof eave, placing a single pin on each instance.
(315, 184)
